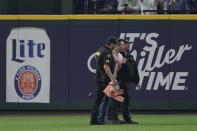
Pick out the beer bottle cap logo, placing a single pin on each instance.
(27, 82)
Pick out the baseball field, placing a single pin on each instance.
(148, 122)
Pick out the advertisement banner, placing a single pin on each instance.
(28, 65)
(156, 55)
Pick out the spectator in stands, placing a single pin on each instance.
(133, 6)
(139, 6)
(149, 5)
(109, 6)
(161, 5)
(175, 4)
(104, 6)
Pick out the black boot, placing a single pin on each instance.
(96, 123)
(131, 122)
(114, 122)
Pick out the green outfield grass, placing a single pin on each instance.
(81, 123)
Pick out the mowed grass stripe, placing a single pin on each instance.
(81, 123)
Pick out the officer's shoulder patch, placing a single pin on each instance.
(98, 53)
(107, 61)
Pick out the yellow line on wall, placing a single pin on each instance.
(98, 17)
(94, 17)
(183, 17)
(8, 17)
(145, 17)
(43, 17)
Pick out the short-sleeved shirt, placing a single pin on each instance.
(104, 56)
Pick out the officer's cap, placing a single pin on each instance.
(126, 41)
(111, 39)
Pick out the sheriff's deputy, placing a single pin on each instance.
(105, 65)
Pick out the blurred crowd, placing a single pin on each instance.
(136, 6)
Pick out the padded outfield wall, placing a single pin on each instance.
(47, 61)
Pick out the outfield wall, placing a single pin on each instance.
(47, 62)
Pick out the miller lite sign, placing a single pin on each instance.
(28, 65)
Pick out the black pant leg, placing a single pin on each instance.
(97, 100)
(125, 104)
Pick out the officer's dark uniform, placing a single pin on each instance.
(127, 74)
(103, 56)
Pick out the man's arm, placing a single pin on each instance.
(109, 74)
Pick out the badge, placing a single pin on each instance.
(98, 53)
(107, 61)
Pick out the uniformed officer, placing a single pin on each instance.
(127, 74)
(103, 109)
(105, 65)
